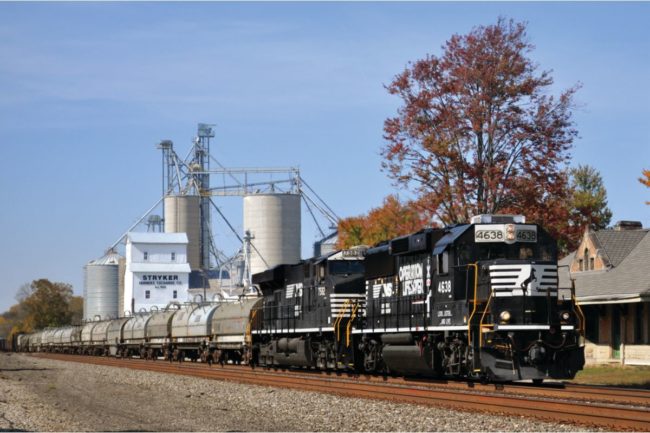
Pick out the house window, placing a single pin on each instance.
(146, 256)
(175, 294)
(591, 263)
(580, 262)
(173, 257)
(586, 259)
(147, 294)
(638, 324)
(591, 327)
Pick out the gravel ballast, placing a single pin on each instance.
(46, 395)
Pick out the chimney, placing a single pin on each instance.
(628, 225)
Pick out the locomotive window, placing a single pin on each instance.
(345, 267)
(443, 263)
(525, 253)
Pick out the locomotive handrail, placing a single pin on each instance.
(353, 314)
(471, 316)
(480, 325)
(339, 317)
(581, 315)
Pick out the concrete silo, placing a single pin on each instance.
(101, 286)
(273, 221)
(183, 215)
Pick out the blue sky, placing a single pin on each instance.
(88, 89)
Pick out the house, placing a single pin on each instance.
(612, 283)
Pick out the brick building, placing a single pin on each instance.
(610, 269)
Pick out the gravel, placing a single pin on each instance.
(46, 395)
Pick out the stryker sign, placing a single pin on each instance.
(159, 277)
(160, 281)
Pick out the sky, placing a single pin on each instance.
(87, 90)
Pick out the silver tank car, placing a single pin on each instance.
(230, 339)
(114, 336)
(98, 338)
(191, 330)
(134, 334)
(159, 332)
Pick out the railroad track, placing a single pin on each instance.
(612, 408)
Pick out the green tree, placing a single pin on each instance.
(589, 199)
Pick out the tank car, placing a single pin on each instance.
(158, 332)
(133, 335)
(230, 338)
(191, 329)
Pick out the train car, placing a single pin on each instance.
(477, 300)
(115, 337)
(159, 332)
(70, 338)
(472, 300)
(191, 329)
(85, 340)
(133, 335)
(307, 312)
(230, 336)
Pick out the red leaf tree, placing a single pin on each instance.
(478, 132)
(388, 221)
(645, 180)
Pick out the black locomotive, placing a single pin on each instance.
(477, 300)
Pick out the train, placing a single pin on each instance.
(478, 300)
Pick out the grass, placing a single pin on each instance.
(625, 376)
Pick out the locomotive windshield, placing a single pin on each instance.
(346, 267)
(542, 250)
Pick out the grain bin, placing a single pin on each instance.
(273, 220)
(101, 288)
(182, 215)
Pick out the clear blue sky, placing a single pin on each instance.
(87, 90)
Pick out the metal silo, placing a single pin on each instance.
(273, 221)
(182, 215)
(101, 288)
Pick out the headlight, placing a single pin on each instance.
(504, 316)
(565, 315)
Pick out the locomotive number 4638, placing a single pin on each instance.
(489, 235)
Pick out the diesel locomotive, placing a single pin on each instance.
(477, 300)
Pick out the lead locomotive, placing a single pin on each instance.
(476, 300)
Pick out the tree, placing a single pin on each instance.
(76, 309)
(390, 220)
(589, 199)
(645, 180)
(48, 304)
(478, 133)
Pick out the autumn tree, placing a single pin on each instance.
(48, 304)
(477, 131)
(390, 220)
(645, 180)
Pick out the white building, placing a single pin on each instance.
(157, 271)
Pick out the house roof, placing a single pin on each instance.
(157, 238)
(629, 255)
(618, 244)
